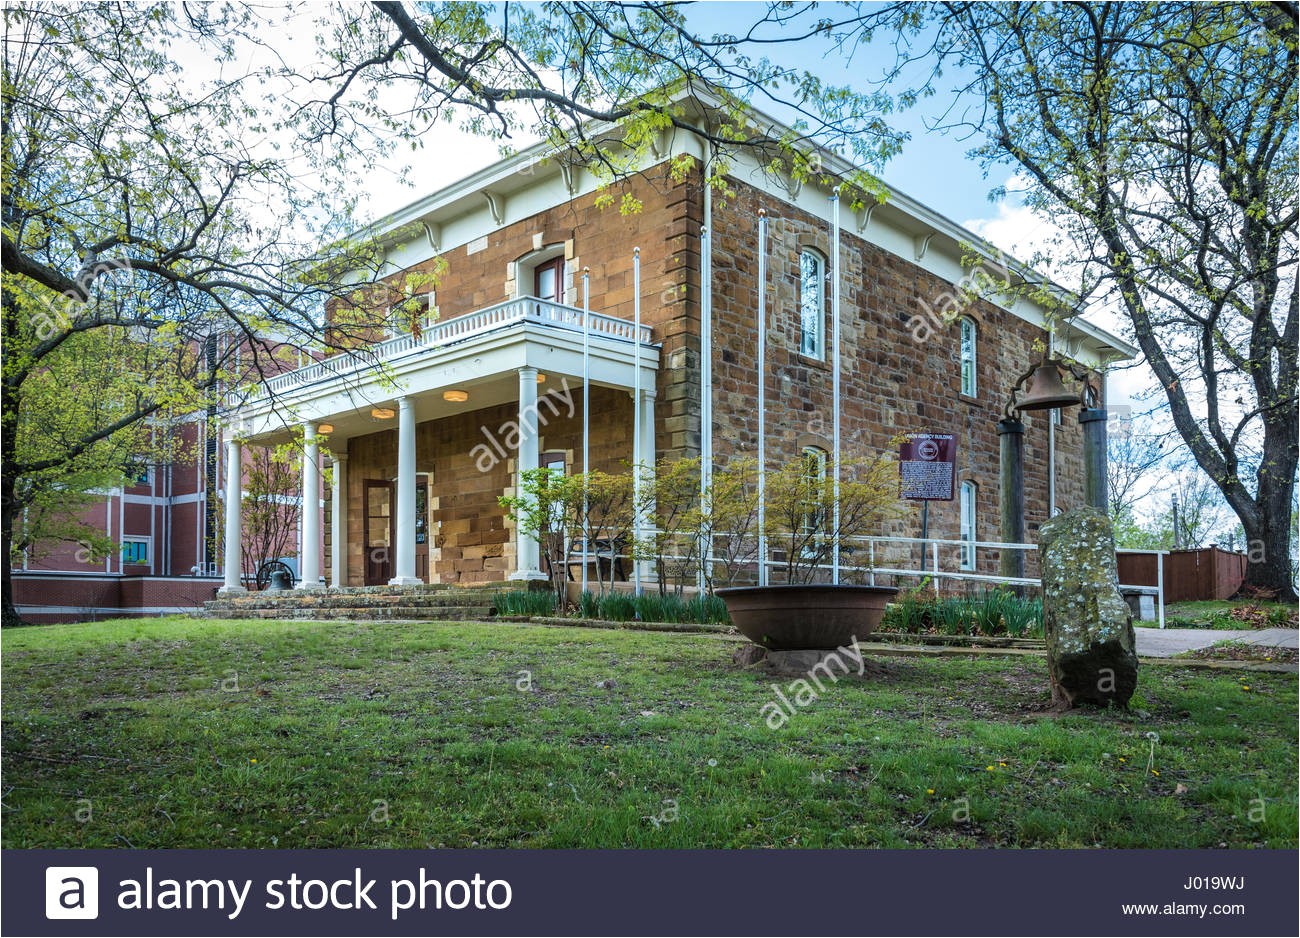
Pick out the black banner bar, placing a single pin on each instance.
(598, 892)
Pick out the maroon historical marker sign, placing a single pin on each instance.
(927, 464)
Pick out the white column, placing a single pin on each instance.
(234, 499)
(339, 520)
(527, 552)
(405, 546)
(648, 455)
(309, 554)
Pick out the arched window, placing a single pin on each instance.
(812, 303)
(542, 273)
(968, 337)
(967, 507)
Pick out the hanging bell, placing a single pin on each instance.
(1046, 390)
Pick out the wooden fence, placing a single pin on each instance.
(1208, 573)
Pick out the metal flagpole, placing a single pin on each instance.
(706, 390)
(638, 449)
(762, 397)
(835, 379)
(586, 413)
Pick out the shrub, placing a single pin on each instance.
(524, 603)
(988, 613)
(912, 612)
(651, 607)
(619, 607)
(992, 612)
(707, 608)
(950, 616)
(1024, 617)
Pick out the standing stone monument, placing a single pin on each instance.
(1091, 650)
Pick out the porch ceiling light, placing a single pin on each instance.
(455, 397)
(383, 413)
(541, 378)
(325, 427)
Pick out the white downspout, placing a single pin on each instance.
(1051, 449)
(706, 363)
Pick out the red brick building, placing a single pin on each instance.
(418, 449)
(165, 528)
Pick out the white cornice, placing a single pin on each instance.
(481, 202)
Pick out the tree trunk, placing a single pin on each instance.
(9, 515)
(1268, 545)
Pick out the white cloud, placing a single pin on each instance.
(1017, 230)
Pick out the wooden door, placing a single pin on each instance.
(379, 532)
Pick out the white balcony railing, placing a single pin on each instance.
(526, 309)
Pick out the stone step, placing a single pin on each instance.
(285, 611)
(450, 599)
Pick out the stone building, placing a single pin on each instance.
(420, 448)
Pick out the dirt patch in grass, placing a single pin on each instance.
(1244, 651)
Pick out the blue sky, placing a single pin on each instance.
(933, 167)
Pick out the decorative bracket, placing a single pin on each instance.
(922, 244)
(570, 176)
(864, 216)
(496, 205)
(433, 234)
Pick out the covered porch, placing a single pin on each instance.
(423, 433)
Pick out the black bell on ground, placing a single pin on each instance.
(1046, 391)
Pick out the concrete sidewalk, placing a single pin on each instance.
(1165, 643)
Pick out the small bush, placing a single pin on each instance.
(1024, 617)
(652, 607)
(951, 616)
(992, 612)
(618, 607)
(988, 613)
(524, 602)
(706, 608)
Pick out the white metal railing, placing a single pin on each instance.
(526, 309)
(930, 551)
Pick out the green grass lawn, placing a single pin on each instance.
(182, 733)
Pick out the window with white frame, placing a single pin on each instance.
(968, 338)
(554, 463)
(135, 550)
(814, 465)
(967, 491)
(812, 304)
